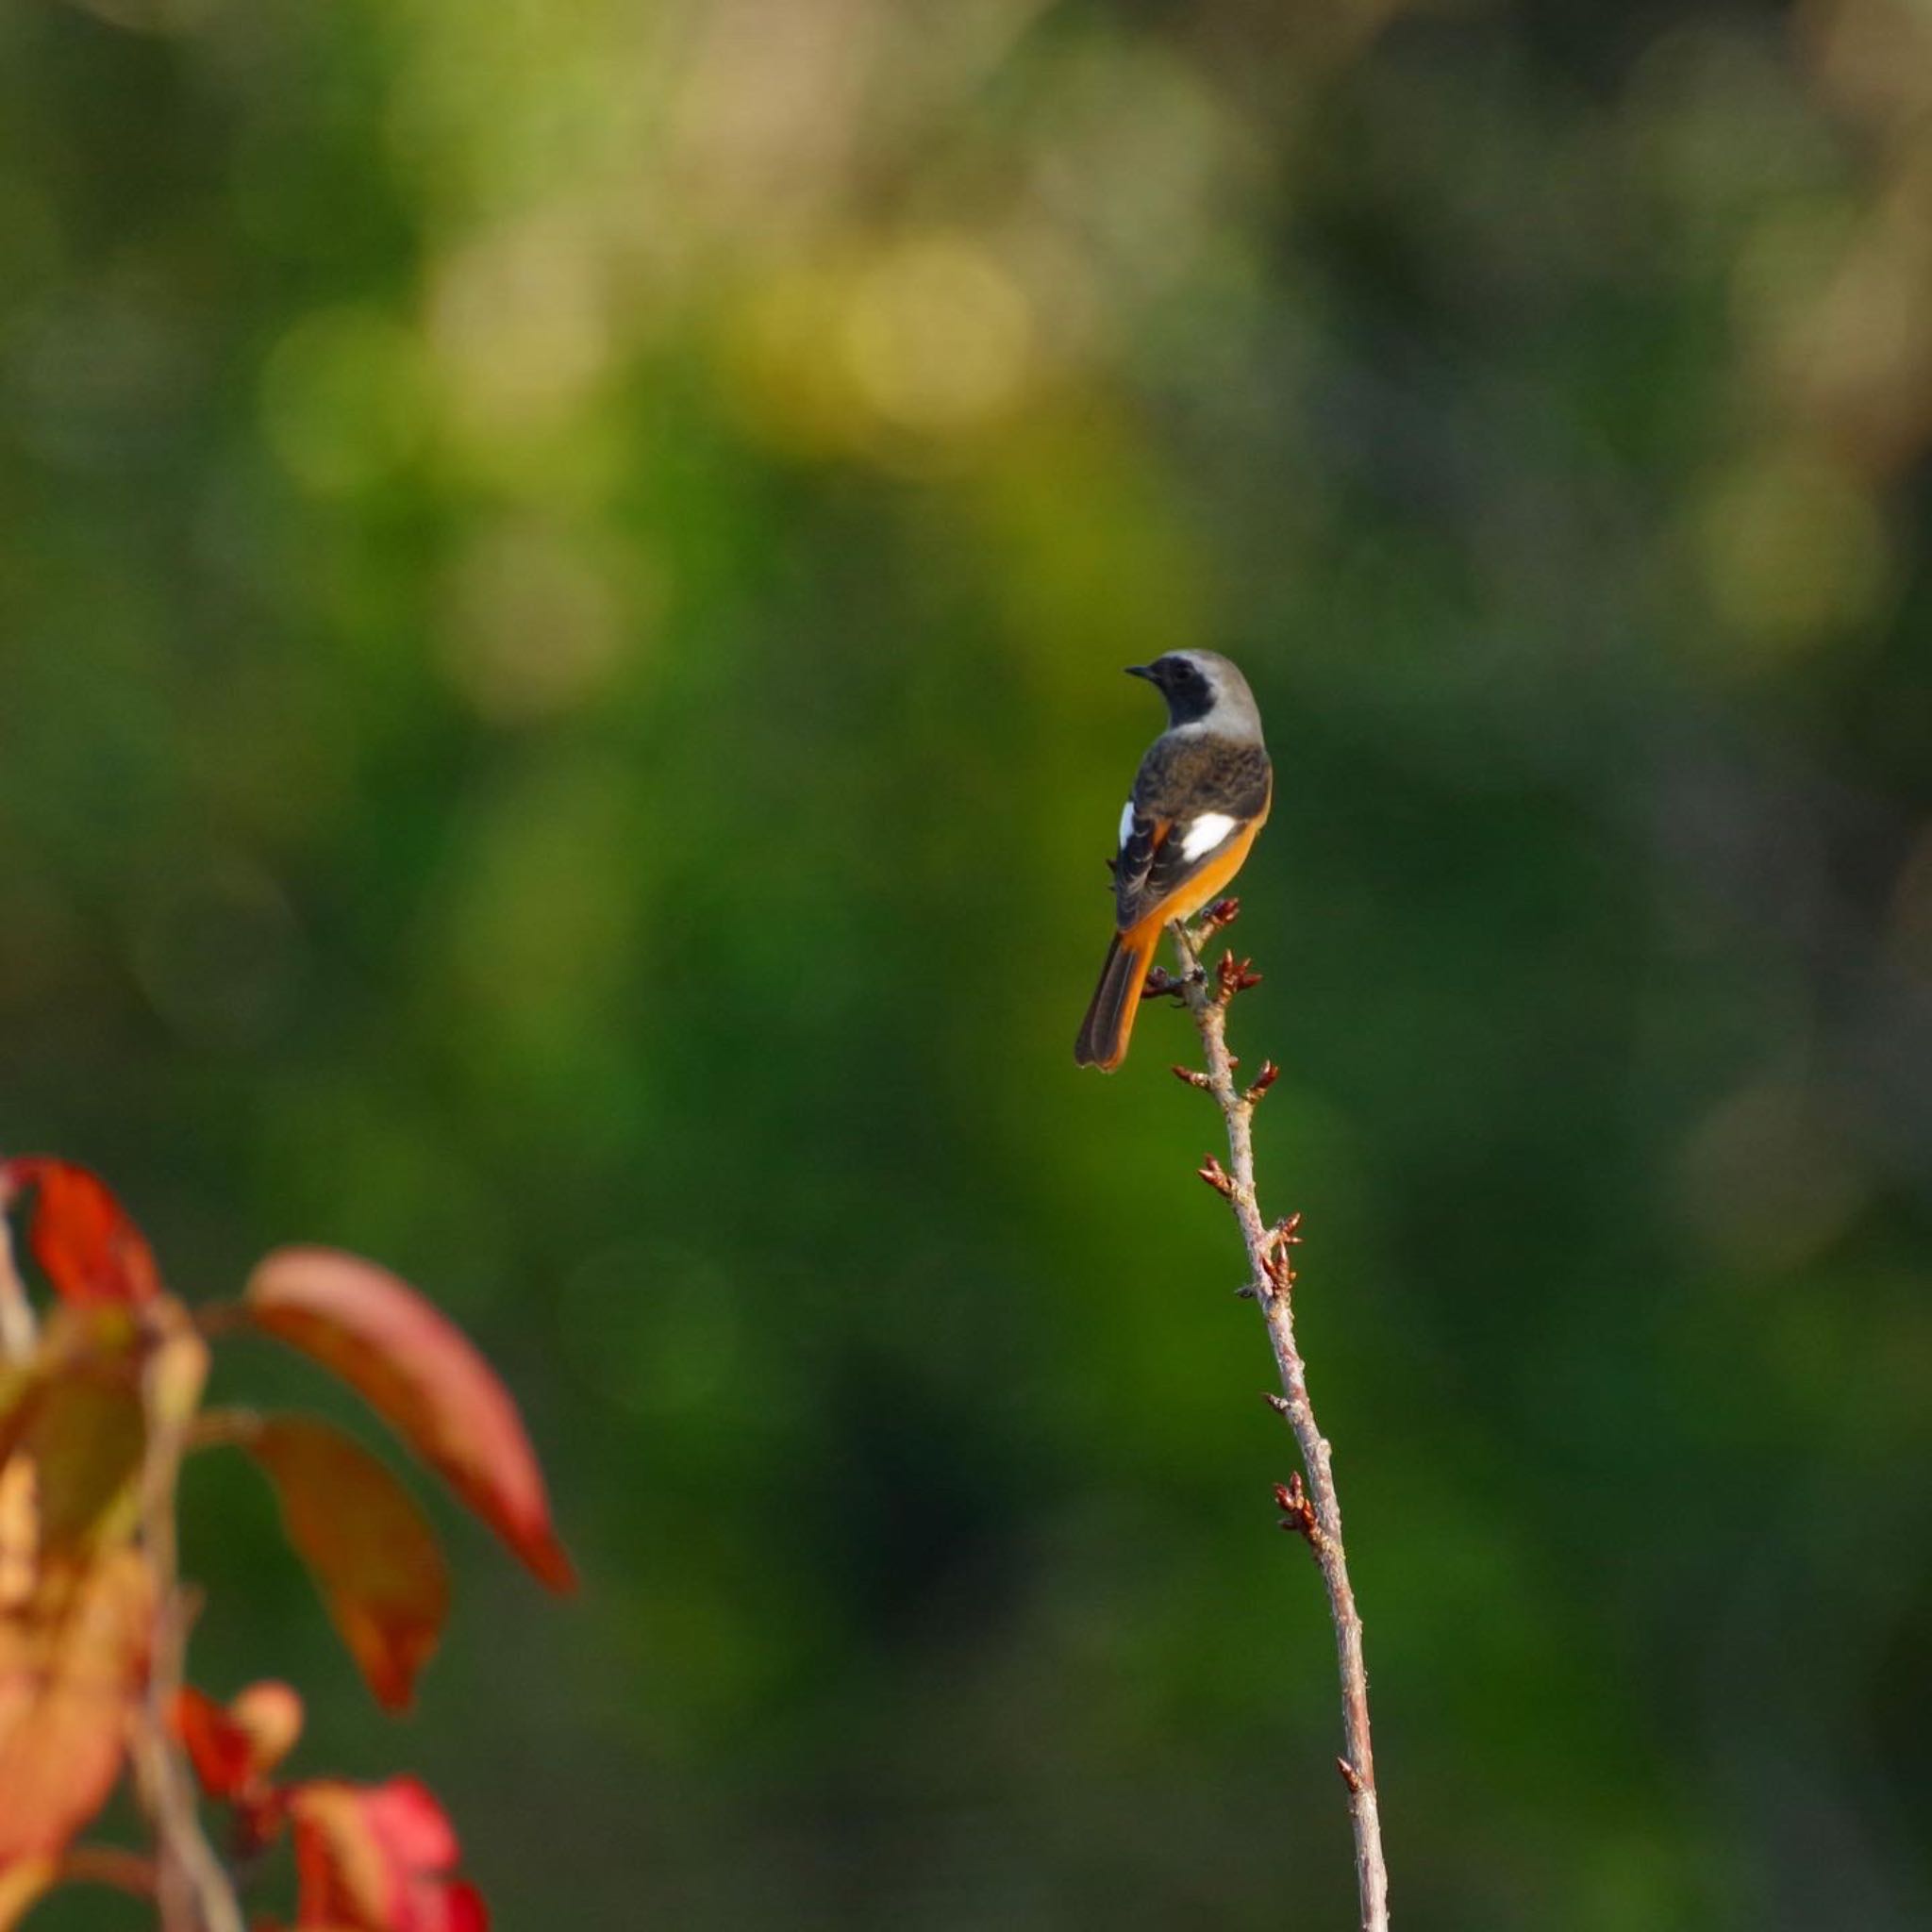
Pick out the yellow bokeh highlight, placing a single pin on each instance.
(935, 336)
(882, 350)
(775, 365)
(516, 319)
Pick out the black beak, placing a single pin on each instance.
(1146, 670)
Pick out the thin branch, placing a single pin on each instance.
(1314, 1513)
(17, 1327)
(222, 1428)
(216, 1319)
(191, 1887)
(110, 1865)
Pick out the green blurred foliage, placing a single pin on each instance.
(564, 569)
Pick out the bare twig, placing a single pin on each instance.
(17, 1327)
(192, 1888)
(1314, 1513)
(110, 1865)
(222, 1428)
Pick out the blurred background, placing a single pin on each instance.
(565, 569)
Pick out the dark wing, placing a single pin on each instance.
(1161, 856)
(1190, 799)
(1134, 870)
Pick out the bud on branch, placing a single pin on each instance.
(1298, 1511)
(1217, 1177)
(1309, 1508)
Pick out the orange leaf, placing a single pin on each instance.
(20, 1530)
(424, 1375)
(80, 1235)
(372, 1858)
(270, 1716)
(71, 1664)
(369, 1548)
(21, 1885)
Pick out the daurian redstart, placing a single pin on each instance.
(1200, 797)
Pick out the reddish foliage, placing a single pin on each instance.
(217, 1747)
(375, 1858)
(236, 1747)
(372, 1553)
(233, 1747)
(96, 1405)
(80, 1235)
(424, 1375)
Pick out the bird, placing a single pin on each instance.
(1200, 797)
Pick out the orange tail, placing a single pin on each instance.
(1109, 1022)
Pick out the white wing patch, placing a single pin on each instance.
(1127, 822)
(1204, 833)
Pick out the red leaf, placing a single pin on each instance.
(233, 1748)
(372, 1858)
(80, 1235)
(424, 1375)
(217, 1748)
(369, 1548)
(72, 1663)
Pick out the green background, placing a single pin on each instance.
(564, 566)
